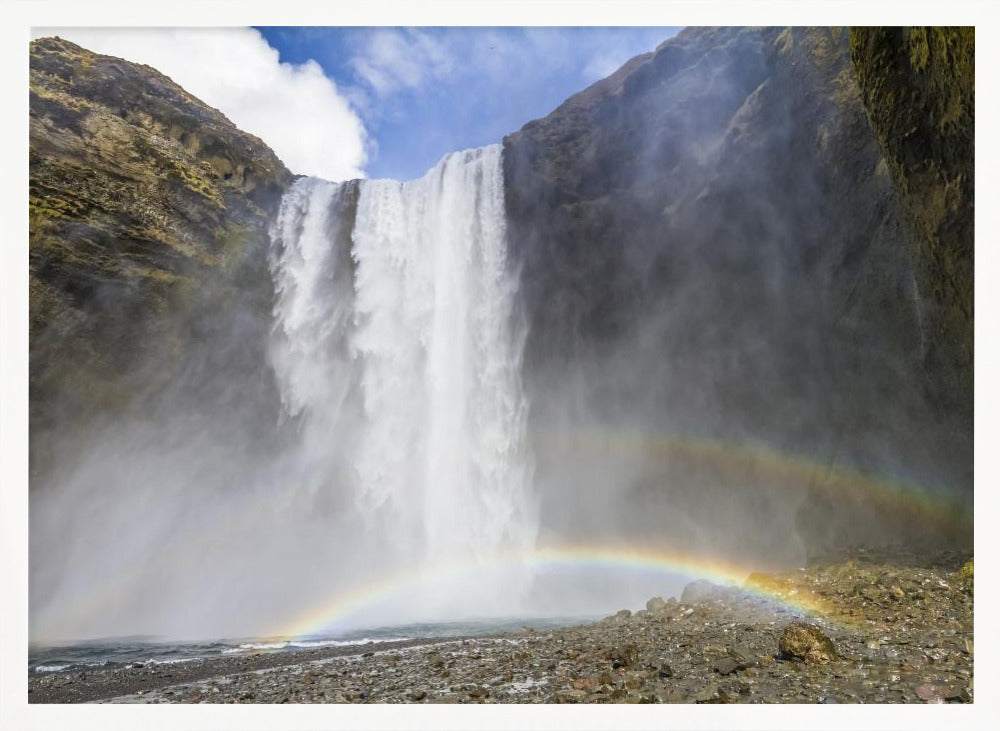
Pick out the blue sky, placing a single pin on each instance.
(343, 103)
(423, 92)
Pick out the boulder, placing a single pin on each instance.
(703, 591)
(656, 604)
(806, 642)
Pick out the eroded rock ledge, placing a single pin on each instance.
(148, 212)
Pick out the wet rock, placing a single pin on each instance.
(806, 642)
(711, 693)
(744, 655)
(871, 593)
(568, 695)
(932, 693)
(624, 655)
(656, 604)
(634, 682)
(929, 693)
(918, 643)
(729, 665)
(671, 695)
(701, 591)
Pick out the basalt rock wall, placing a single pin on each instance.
(148, 240)
(717, 244)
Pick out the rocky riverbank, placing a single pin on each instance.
(874, 627)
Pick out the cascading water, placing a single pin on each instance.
(398, 350)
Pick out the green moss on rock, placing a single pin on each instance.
(918, 86)
(142, 201)
(967, 571)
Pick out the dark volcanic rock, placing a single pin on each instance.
(713, 243)
(918, 86)
(728, 665)
(725, 652)
(147, 230)
(624, 656)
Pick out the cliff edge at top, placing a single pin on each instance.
(147, 207)
(716, 244)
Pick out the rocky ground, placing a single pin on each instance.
(885, 628)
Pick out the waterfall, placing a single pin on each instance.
(398, 353)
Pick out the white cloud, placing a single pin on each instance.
(296, 109)
(395, 59)
(392, 61)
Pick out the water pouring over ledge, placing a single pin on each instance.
(398, 350)
(406, 490)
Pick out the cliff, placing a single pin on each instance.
(756, 238)
(148, 212)
(918, 86)
(713, 239)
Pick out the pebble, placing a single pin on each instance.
(729, 647)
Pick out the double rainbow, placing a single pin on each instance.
(913, 503)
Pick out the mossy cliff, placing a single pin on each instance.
(918, 86)
(148, 209)
(749, 236)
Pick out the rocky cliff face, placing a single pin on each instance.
(918, 86)
(734, 247)
(712, 238)
(148, 214)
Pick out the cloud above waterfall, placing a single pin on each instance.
(297, 109)
(346, 102)
(424, 92)
(388, 61)
(402, 58)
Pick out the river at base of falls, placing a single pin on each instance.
(128, 652)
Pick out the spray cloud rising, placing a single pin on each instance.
(706, 268)
(397, 357)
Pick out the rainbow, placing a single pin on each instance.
(937, 509)
(785, 471)
(321, 619)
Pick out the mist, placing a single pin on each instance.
(728, 350)
(690, 329)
